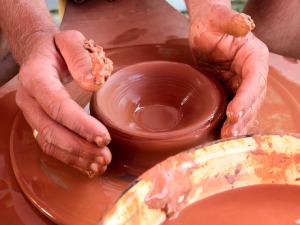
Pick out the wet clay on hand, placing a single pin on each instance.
(240, 25)
(101, 66)
(232, 23)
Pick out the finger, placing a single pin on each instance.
(89, 73)
(63, 156)
(241, 127)
(56, 102)
(231, 22)
(253, 67)
(77, 58)
(244, 101)
(79, 163)
(58, 141)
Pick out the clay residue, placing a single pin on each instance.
(271, 166)
(259, 139)
(129, 36)
(232, 177)
(171, 185)
(275, 204)
(101, 66)
(240, 25)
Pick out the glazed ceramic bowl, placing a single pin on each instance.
(158, 108)
(245, 180)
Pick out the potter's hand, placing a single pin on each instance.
(222, 41)
(65, 130)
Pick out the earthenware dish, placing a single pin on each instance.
(158, 108)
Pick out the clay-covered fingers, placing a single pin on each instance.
(65, 130)
(226, 20)
(252, 63)
(60, 142)
(51, 95)
(86, 61)
(245, 118)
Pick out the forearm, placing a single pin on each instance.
(194, 6)
(23, 22)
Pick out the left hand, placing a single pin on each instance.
(61, 127)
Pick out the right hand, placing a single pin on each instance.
(65, 130)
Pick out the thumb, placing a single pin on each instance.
(71, 46)
(231, 22)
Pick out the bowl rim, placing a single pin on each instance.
(218, 113)
(234, 149)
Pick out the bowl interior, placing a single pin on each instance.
(158, 97)
(192, 176)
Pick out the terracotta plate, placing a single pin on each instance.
(60, 192)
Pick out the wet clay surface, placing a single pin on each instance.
(101, 66)
(164, 193)
(280, 110)
(157, 109)
(50, 185)
(36, 171)
(126, 23)
(259, 204)
(15, 208)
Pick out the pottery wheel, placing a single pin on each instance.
(68, 197)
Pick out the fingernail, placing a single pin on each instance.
(94, 167)
(89, 77)
(240, 115)
(228, 111)
(225, 131)
(100, 160)
(244, 131)
(102, 169)
(102, 141)
(229, 114)
(262, 82)
(235, 133)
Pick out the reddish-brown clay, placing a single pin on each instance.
(156, 109)
(259, 204)
(101, 66)
(147, 37)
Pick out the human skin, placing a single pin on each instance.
(222, 41)
(277, 25)
(65, 130)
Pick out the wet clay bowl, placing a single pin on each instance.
(156, 109)
(263, 167)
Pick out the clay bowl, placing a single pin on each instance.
(265, 168)
(156, 109)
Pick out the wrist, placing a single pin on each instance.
(30, 21)
(36, 42)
